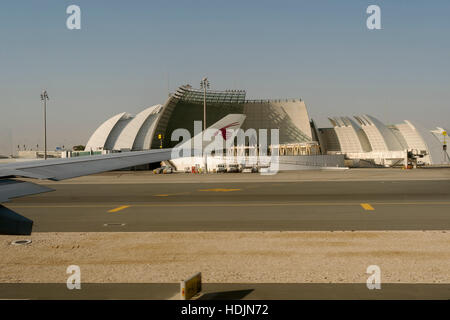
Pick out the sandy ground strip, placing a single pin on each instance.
(229, 257)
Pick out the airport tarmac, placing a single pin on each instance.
(252, 236)
(401, 201)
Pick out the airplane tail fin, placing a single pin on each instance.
(232, 121)
(219, 134)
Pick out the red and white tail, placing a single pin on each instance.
(220, 133)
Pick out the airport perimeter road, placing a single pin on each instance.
(244, 202)
(226, 291)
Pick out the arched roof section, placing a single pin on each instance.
(138, 131)
(381, 138)
(147, 131)
(98, 139)
(433, 146)
(412, 138)
(351, 138)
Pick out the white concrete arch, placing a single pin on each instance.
(98, 139)
(138, 133)
(381, 138)
(350, 136)
(425, 138)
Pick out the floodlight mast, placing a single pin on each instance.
(44, 98)
(204, 84)
(444, 147)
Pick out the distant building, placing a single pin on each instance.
(37, 154)
(370, 139)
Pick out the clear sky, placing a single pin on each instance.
(128, 53)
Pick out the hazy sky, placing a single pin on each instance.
(128, 52)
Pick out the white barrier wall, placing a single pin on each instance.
(285, 162)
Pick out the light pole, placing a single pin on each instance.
(444, 147)
(204, 84)
(44, 98)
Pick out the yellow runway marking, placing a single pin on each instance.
(118, 209)
(367, 207)
(218, 190)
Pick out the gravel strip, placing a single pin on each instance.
(229, 257)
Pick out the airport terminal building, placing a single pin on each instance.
(362, 141)
(140, 132)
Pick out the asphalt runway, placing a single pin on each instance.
(240, 206)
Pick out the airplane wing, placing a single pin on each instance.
(10, 188)
(60, 169)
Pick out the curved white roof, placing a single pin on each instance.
(433, 145)
(411, 136)
(350, 136)
(138, 132)
(98, 139)
(381, 138)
